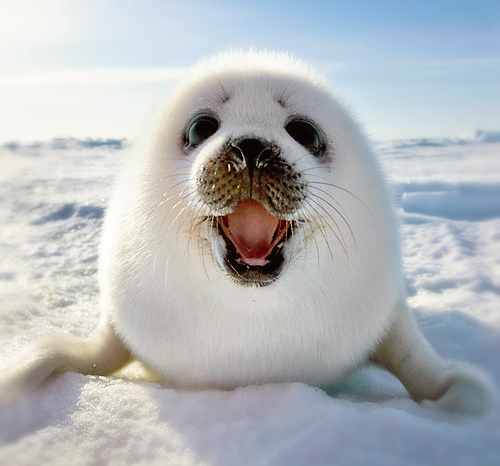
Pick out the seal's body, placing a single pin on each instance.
(252, 239)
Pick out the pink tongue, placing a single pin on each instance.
(253, 231)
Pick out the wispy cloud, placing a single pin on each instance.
(93, 76)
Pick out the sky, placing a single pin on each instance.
(98, 68)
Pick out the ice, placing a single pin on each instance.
(52, 202)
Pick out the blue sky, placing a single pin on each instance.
(96, 68)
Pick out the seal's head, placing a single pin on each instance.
(261, 137)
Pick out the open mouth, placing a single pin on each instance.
(254, 242)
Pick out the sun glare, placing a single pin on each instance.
(31, 22)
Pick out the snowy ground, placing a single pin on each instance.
(52, 200)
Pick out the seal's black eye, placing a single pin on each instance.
(200, 130)
(306, 135)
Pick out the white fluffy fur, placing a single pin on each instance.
(339, 301)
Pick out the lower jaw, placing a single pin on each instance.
(255, 275)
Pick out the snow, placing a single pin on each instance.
(52, 202)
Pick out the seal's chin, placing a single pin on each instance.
(254, 240)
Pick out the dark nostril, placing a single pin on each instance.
(250, 149)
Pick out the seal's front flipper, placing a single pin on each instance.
(446, 385)
(101, 354)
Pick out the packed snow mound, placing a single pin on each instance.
(52, 203)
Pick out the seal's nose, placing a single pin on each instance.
(250, 150)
